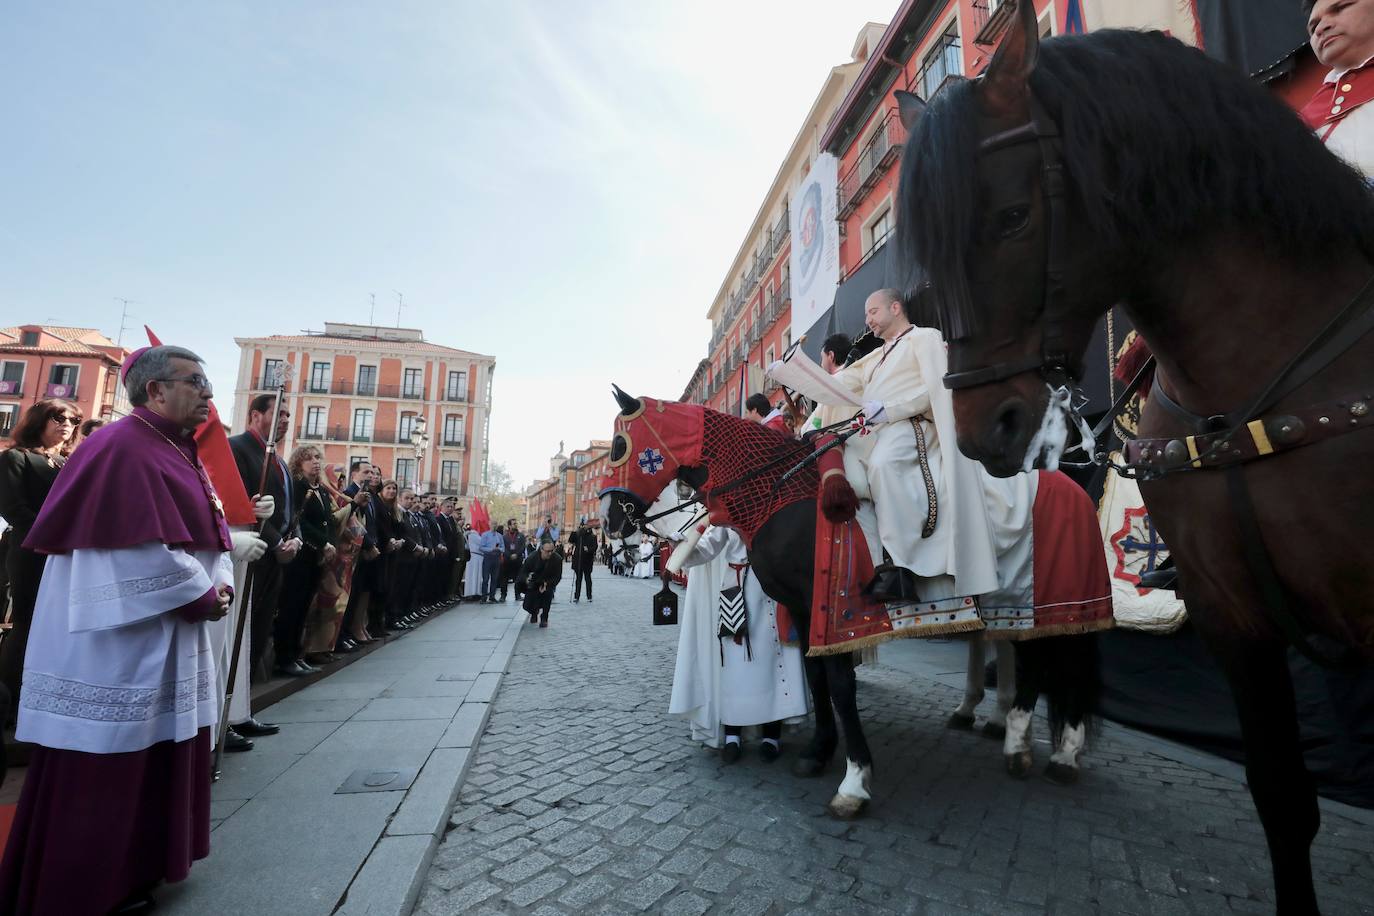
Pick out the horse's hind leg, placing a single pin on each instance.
(996, 726)
(962, 718)
(815, 758)
(853, 796)
(1073, 683)
(1030, 669)
(1284, 793)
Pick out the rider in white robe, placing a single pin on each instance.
(760, 684)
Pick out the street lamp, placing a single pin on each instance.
(419, 439)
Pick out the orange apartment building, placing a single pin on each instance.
(570, 492)
(418, 410)
(751, 317)
(42, 361)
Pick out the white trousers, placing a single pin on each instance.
(884, 467)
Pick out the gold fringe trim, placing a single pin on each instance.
(1059, 629)
(921, 632)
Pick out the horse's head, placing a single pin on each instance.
(655, 443)
(987, 222)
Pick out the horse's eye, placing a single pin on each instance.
(1012, 221)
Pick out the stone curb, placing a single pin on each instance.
(390, 879)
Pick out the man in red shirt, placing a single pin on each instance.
(1342, 36)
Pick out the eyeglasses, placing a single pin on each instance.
(64, 420)
(197, 381)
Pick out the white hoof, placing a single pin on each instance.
(847, 807)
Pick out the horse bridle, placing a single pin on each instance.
(1054, 361)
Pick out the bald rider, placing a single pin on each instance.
(927, 496)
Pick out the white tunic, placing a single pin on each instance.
(644, 569)
(472, 574)
(905, 377)
(222, 646)
(109, 668)
(769, 687)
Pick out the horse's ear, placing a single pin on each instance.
(627, 403)
(910, 107)
(1004, 89)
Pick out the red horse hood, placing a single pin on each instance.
(650, 445)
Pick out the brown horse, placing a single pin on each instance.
(1124, 167)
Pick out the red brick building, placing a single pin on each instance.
(418, 410)
(43, 361)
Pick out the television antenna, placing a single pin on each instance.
(123, 318)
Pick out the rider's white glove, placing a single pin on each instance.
(263, 507)
(874, 411)
(247, 545)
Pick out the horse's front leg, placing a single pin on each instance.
(816, 758)
(996, 726)
(962, 718)
(1284, 793)
(854, 793)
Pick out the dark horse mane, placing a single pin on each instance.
(1161, 144)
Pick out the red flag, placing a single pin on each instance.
(218, 459)
(481, 519)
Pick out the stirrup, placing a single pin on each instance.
(1164, 576)
(893, 585)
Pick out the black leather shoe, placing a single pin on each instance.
(731, 752)
(255, 729)
(306, 666)
(234, 742)
(291, 669)
(769, 752)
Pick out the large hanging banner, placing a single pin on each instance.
(815, 260)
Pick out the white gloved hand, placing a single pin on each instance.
(874, 411)
(263, 507)
(247, 545)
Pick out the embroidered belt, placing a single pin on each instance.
(1258, 438)
(931, 498)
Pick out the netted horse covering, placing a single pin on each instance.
(745, 462)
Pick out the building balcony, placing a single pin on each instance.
(453, 443)
(269, 383)
(456, 397)
(990, 20)
(881, 150)
(413, 394)
(11, 390)
(55, 390)
(317, 387)
(310, 434)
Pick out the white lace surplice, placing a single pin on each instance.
(108, 667)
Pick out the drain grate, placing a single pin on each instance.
(378, 779)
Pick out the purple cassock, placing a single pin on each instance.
(118, 692)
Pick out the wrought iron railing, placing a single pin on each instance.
(875, 157)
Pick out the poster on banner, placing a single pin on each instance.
(815, 259)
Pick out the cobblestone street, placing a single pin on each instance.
(585, 797)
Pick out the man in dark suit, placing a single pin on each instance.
(514, 558)
(250, 451)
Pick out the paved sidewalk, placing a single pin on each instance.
(402, 724)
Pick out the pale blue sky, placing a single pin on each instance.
(560, 184)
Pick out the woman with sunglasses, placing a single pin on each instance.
(41, 443)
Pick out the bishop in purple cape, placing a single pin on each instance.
(118, 677)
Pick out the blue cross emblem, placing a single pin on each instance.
(650, 461)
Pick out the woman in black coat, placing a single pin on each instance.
(314, 519)
(538, 578)
(42, 442)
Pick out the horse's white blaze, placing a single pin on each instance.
(1070, 745)
(973, 681)
(1018, 740)
(855, 783)
(1006, 682)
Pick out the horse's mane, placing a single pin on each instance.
(1161, 144)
